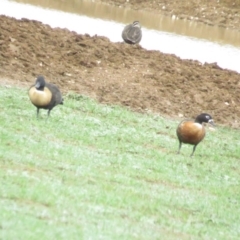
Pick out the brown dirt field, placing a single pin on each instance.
(223, 13)
(117, 73)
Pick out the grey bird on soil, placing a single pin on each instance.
(132, 33)
(44, 95)
(193, 132)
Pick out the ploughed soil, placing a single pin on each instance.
(223, 13)
(117, 73)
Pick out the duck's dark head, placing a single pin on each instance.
(136, 24)
(205, 117)
(40, 83)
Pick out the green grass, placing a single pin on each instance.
(93, 171)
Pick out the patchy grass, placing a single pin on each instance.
(92, 171)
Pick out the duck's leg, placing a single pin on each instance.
(180, 145)
(194, 148)
(37, 112)
(49, 110)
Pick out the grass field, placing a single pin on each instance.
(93, 171)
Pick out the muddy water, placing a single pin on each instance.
(184, 38)
(148, 19)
